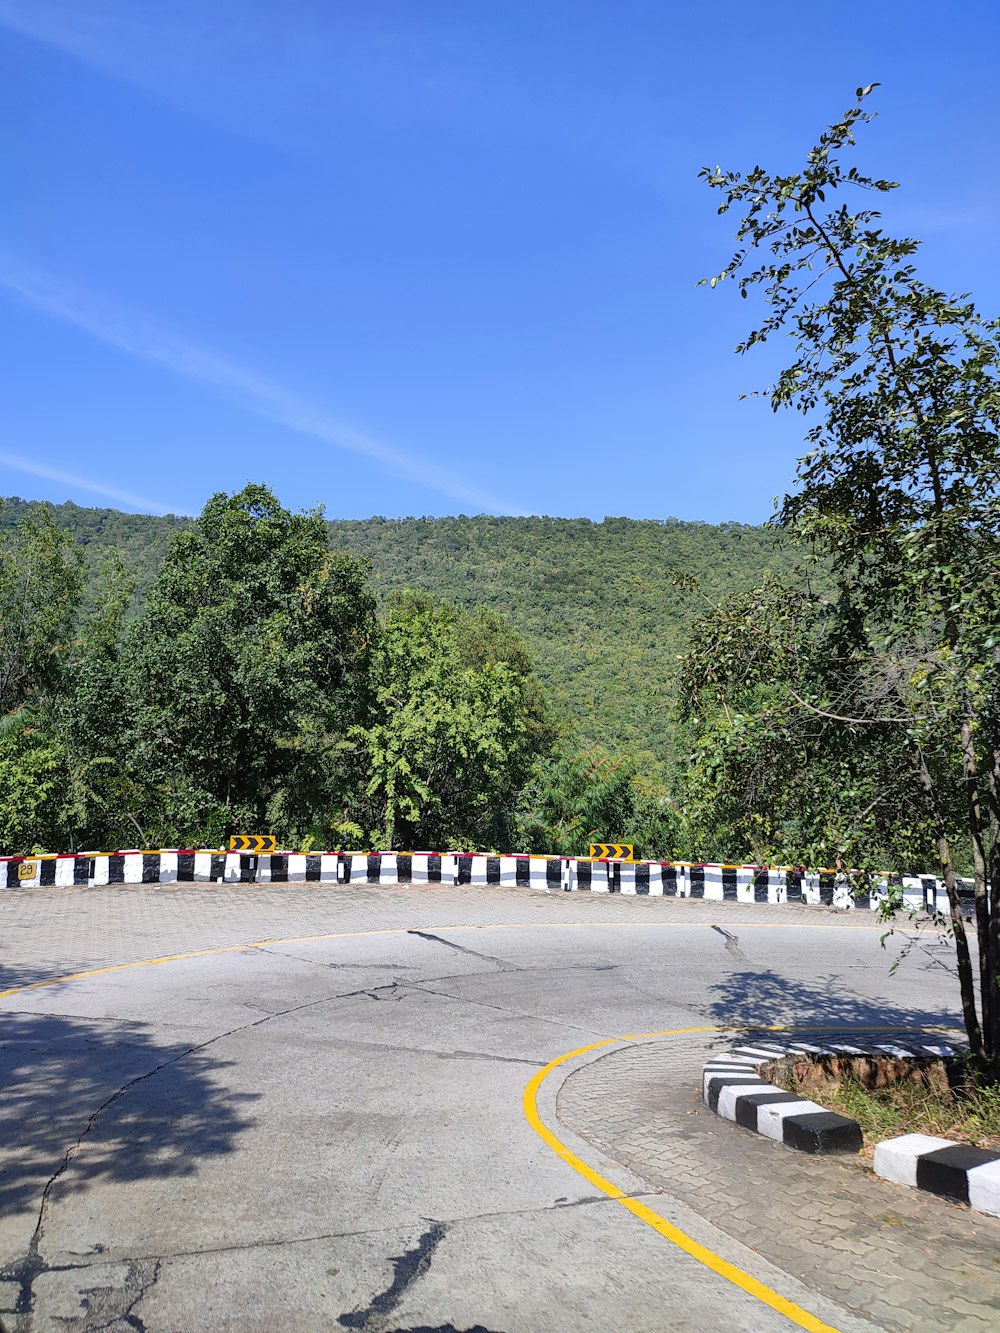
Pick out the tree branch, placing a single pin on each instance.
(868, 721)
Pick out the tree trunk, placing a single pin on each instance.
(974, 817)
(993, 789)
(966, 978)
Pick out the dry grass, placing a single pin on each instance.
(890, 1097)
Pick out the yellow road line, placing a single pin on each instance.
(761, 1292)
(645, 1214)
(404, 930)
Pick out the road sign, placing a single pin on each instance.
(27, 869)
(611, 851)
(253, 842)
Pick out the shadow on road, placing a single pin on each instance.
(758, 999)
(114, 1097)
(15, 975)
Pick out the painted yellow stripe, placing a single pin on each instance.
(759, 1290)
(688, 1244)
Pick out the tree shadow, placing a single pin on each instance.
(87, 1100)
(13, 976)
(755, 1000)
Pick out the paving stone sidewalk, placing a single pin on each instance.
(898, 1257)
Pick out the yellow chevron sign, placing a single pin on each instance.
(612, 851)
(253, 842)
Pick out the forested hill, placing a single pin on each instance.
(596, 601)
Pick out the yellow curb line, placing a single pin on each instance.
(404, 930)
(659, 1224)
(681, 1239)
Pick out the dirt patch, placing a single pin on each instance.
(889, 1096)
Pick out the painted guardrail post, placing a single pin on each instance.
(713, 882)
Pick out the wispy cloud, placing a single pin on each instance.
(256, 392)
(55, 27)
(217, 62)
(70, 479)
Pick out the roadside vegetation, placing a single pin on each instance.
(824, 691)
(946, 1100)
(259, 685)
(596, 604)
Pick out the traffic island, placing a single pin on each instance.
(736, 1088)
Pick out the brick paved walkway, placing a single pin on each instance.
(896, 1256)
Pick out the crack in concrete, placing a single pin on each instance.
(335, 967)
(483, 1055)
(106, 1258)
(407, 1268)
(505, 1009)
(25, 1272)
(139, 1282)
(732, 943)
(460, 948)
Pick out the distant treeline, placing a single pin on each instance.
(167, 682)
(604, 608)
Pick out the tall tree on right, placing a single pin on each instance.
(898, 494)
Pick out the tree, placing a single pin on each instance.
(770, 781)
(899, 493)
(459, 721)
(40, 587)
(246, 672)
(577, 797)
(102, 795)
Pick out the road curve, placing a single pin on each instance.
(302, 1107)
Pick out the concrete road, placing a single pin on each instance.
(307, 1112)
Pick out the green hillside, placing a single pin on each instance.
(596, 601)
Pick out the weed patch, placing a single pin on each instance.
(892, 1097)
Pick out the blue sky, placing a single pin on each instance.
(439, 256)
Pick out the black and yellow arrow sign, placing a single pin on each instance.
(253, 842)
(611, 851)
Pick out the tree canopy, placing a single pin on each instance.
(898, 494)
(460, 720)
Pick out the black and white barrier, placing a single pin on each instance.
(941, 1166)
(733, 1089)
(680, 879)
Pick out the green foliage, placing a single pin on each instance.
(40, 583)
(598, 604)
(770, 781)
(140, 539)
(40, 588)
(594, 602)
(32, 785)
(575, 798)
(460, 719)
(899, 492)
(246, 672)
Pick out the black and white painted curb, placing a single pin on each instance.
(941, 1166)
(762, 885)
(733, 1088)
